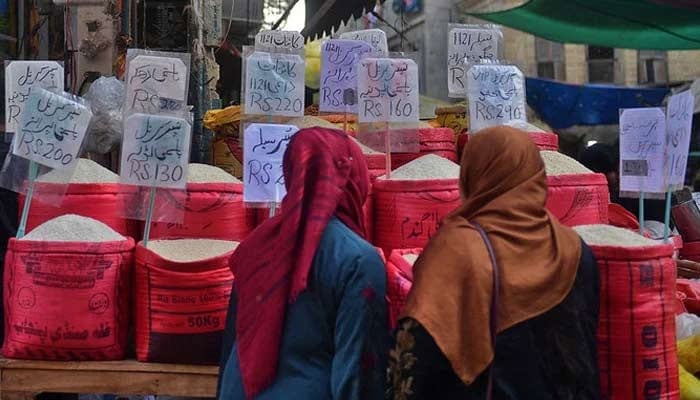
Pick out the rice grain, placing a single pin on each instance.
(73, 228)
(427, 167)
(365, 149)
(203, 173)
(85, 171)
(556, 163)
(189, 250)
(606, 235)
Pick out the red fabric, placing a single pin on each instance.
(622, 218)
(67, 301)
(636, 328)
(399, 278)
(578, 199)
(180, 308)
(325, 174)
(691, 291)
(691, 251)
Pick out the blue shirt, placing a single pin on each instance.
(335, 333)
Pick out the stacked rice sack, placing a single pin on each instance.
(212, 207)
(399, 279)
(182, 293)
(409, 207)
(576, 195)
(92, 191)
(636, 331)
(66, 292)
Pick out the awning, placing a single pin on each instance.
(628, 24)
(331, 13)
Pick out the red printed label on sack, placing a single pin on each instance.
(189, 310)
(62, 301)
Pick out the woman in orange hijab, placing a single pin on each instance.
(505, 299)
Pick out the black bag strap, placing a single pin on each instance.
(494, 304)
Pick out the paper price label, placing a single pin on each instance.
(156, 85)
(156, 151)
(279, 40)
(374, 37)
(339, 59)
(274, 84)
(20, 78)
(679, 121)
(51, 130)
(642, 139)
(496, 96)
(465, 47)
(263, 151)
(388, 90)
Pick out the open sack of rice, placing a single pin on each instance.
(636, 331)
(408, 207)
(436, 141)
(212, 207)
(576, 195)
(399, 278)
(182, 292)
(92, 191)
(66, 292)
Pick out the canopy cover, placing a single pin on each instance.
(630, 24)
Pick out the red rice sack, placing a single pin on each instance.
(636, 331)
(407, 213)
(67, 301)
(543, 140)
(399, 279)
(580, 199)
(437, 141)
(181, 303)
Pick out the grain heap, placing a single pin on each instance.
(427, 167)
(73, 228)
(556, 163)
(86, 171)
(366, 150)
(606, 235)
(189, 250)
(203, 173)
(309, 121)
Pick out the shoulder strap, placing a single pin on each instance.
(494, 303)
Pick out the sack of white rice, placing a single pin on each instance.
(408, 207)
(399, 272)
(576, 195)
(436, 141)
(636, 329)
(90, 190)
(212, 207)
(182, 294)
(67, 286)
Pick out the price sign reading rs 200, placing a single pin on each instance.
(263, 151)
(51, 130)
(388, 90)
(156, 151)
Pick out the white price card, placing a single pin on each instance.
(274, 41)
(20, 78)
(496, 95)
(274, 84)
(339, 59)
(263, 151)
(156, 85)
(679, 121)
(465, 47)
(156, 151)
(374, 37)
(388, 90)
(51, 130)
(642, 139)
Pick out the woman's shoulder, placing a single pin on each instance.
(343, 248)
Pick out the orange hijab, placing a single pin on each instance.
(504, 187)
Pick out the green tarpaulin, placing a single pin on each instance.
(630, 24)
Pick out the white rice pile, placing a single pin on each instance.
(556, 163)
(188, 250)
(203, 173)
(411, 258)
(426, 167)
(73, 228)
(606, 235)
(309, 121)
(365, 150)
(86, 171)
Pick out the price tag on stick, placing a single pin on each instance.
(374, 37)
(263, 151)
(679, 121)
(274, 85)
(339, 59)
(156, 85)
(642, 139)
(496, 95)
(20, 78)
(388, 90)
(273, 41)
(465, 47)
